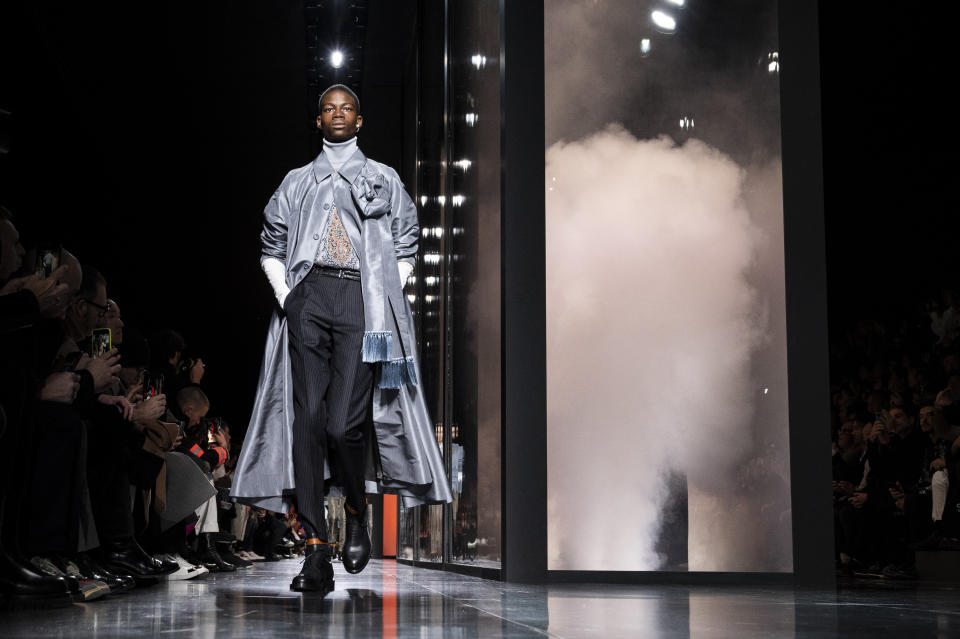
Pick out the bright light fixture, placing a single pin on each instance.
(645, 46)
(336, 59)
(664, 21)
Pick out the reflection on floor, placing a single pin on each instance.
(396, 601)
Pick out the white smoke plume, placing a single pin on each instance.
(657, 337)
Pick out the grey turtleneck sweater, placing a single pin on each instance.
(339, 152)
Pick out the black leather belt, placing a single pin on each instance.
(340, 273)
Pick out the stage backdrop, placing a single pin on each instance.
(666, 339)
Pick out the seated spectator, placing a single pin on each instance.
(208, 446)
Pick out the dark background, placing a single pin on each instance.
(147, 138)
(888, 158)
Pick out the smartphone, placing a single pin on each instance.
(101, 342)
(48, 260)
(152, 384)
(214, 428)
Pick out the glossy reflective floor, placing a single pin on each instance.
(391, 600)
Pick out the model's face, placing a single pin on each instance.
(338, 119)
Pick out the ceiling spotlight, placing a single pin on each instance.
(664, 21)
(336, 59)
(479, 61)
(677, 3)
(645, 46)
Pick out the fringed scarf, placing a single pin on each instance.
(386, 339)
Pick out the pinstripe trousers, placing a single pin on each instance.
(332, 389)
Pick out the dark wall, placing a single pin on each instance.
(888, 157)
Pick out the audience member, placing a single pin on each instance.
(85, 446)
(897, 492)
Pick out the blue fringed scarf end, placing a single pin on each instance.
(397, 372)
(376, 346)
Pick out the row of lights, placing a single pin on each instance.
(457, 200)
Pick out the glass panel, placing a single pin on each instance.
(406, 529)
(427, 292)
(666, 339)
(473, 226)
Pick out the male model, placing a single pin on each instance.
(339, 240)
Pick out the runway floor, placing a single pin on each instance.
(397, 601)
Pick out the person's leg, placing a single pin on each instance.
(207, 517)
(52, 502)
(341, 523)
(310, 348)
(349, 394)
(348, 410)
(107, 476)
(310, 333)
(239, 523)
(939, 488)
(939, 485)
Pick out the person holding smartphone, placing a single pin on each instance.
(339, 241)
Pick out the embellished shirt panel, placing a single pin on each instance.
(336, 250)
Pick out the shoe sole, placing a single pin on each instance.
(116, 590)
(325, 590)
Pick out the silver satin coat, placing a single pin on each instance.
(403, 455)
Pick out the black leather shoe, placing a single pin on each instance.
(209, 556)
(356, 547)
(317, 573)
(20, 581)
(92, 570)
(127, 558)
(227, 554)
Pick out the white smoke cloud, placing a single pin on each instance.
(654, 321)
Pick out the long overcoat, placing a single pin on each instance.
(403, 455)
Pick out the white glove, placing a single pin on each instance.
(406, 269)
(277, 276)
